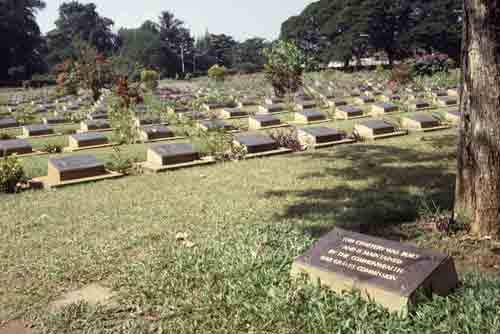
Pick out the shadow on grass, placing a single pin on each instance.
(378, 186)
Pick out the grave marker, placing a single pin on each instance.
(419, 122)
(309, 116)
(216, 124)
(384, 107)
(87, 139)
(73, 167)
(155, 132)
(8, 122)
(387, 272)
(261, 121)
(346, 112)
(233, 113)
(37, 130)
(373, 129)
(171, 154)
(95, 125)
(320, 135)
(18, 146)
(256, 143)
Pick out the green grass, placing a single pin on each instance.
(248, 221)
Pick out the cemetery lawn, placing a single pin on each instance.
(209, 250)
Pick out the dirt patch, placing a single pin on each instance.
(15, 327)
(468, 251)
(92, 294)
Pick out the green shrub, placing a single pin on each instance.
(11, 173)
(119, 162)
(150, 79)
(284, 68)
(430, 64)
(218, 73)
(52, 148)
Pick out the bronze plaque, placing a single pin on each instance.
(386, 271)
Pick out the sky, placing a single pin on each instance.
(240, 18)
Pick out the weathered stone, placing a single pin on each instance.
(309, 116)
(86, 139)
(11, 146)
(256, 143)
(386, 272)
(73, 167)
(346, 112)
(319, 135)
(154, 132)
(261, 121)
(37, 130)
(384, 107)
(419, 121)
(171, 154)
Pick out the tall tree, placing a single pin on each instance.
(176, 41)
(478, 176)
(83, 22)
(20, 49)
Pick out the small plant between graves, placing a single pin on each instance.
(52, 148)
(284, 68)
(119, 162)
(11, 173)
(287, 138)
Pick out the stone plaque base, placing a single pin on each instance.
(386, 272)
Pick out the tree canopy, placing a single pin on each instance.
(22, 43)
(342, 29)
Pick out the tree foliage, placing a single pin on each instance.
(21, 44)
(284, 68)
(342, 29)
(82, 22)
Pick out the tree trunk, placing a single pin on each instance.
(478, 176)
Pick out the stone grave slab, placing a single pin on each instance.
(309, 116)
(346, 112)
(73, 167)
(54, 120)
(419, 104)
(155, 132)
(142, 121)
(390, 97)
(179, 110)
(383, 108)
(374, 128)
(87, 139)
(274, 100)
(262, 121)
(439, 92)
(419, 122)
(98, 115)
(339, 103)
(171, 154)
(193, 114)
(301, 97)
(37, 130)
(8, 122)
(446, 101)
(95, 125)
(306, 105)
(256, 143)
(273, 108)
(248, 101)
(453, 116)
(17, 146)
(388, 273)
(319, 135)
(217, 124)
(233, 113)
(364, 99)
